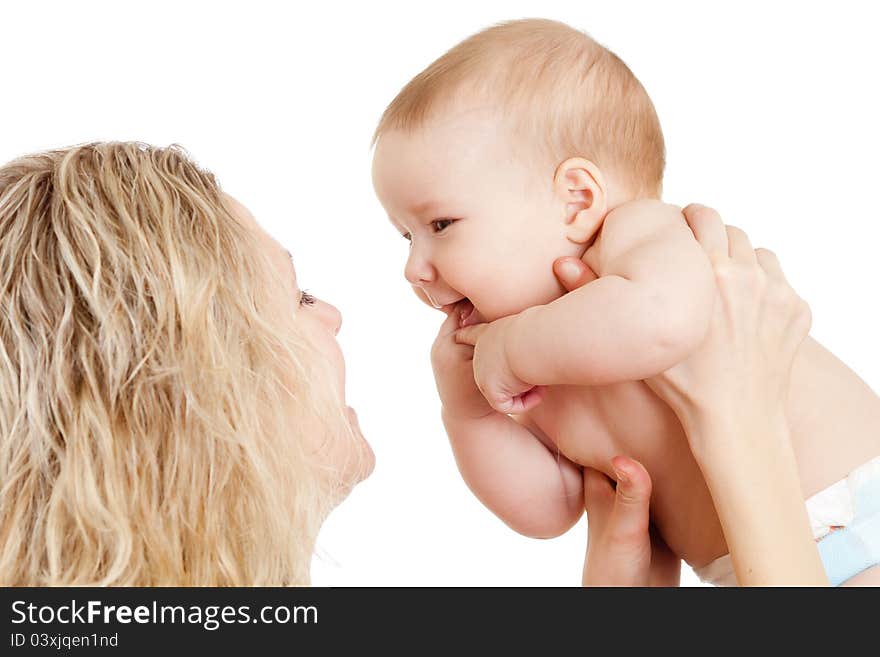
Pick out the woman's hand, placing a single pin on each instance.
(621, 548)
(730, 397)
(758, 323)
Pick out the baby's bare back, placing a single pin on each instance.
(835, 427)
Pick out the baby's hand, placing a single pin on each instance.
(454, 369)
(504, 391)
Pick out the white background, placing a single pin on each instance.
(770, 114)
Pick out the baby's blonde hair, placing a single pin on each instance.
(561, 89)
(153, 417)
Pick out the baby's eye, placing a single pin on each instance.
(439, 225)
(407, 237)
(306, 299)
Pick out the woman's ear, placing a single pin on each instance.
(579, 185)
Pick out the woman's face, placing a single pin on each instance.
(321, 322)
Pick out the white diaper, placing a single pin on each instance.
(829, 510)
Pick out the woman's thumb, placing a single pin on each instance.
(632, 499)
(572, 272)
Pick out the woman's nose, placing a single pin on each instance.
(418, 271)
(331, 317)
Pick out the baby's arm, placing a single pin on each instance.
(535, 490)
(649, 308)
(504, 463)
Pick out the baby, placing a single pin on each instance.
(530, 141)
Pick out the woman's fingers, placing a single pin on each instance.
(573, 272)
(626, 507)
(619, 539)
(708, 228)
(740, 247)
(718, 241)
(769, 263)
(629, 519)
(801, 318)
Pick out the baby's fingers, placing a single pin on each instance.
(449, 326)
(509, 404)
(525, 402)
(470, 334)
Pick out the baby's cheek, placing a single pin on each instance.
(513, 296)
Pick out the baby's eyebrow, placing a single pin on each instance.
(424, 207)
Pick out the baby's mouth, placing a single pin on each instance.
(464, 308)
(468, 315)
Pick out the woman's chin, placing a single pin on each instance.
(367, 459)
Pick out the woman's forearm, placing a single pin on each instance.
(760, 503)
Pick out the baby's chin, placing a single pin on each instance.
(491, 312)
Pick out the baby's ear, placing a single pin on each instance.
(579, 185)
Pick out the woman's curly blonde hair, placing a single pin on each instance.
(153, 416)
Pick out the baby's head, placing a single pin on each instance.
(507, 153)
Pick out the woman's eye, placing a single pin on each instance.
(306, 299)
(439, 225)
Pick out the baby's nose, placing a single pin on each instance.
(418, 270)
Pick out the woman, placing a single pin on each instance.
(172, 405)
